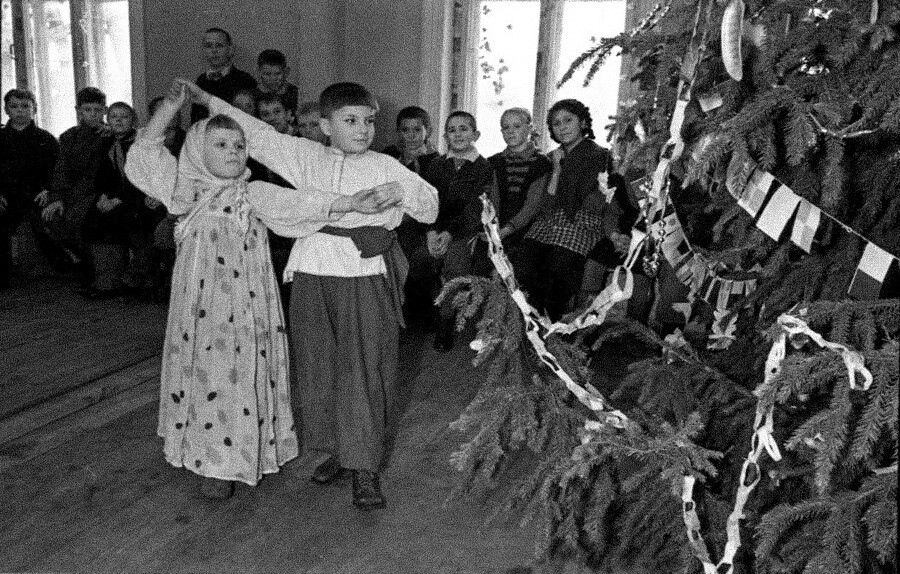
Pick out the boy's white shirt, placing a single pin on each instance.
(470, 155)
(305, 163)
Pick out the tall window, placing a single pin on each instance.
(513, 52)
(60, 59)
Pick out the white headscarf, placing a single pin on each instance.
(197, 186)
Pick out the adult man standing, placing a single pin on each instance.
(221, 78)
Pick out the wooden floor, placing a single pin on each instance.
(84, 487)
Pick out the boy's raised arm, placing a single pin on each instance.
(283, 154)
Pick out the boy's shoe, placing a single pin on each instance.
(367, 490)
(216, 489)
(327, 472)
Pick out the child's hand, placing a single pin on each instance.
(103, 204)
(178, 94)
(151, 203)
(390, 193)
(3, 204)
(198, 96)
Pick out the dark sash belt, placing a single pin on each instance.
(372, 241)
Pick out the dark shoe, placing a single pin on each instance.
(367, 490)
(215, 489)
(327, 472)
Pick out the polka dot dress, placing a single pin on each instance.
(224, 409)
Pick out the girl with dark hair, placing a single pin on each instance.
(576, 212)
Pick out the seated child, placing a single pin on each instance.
(520, 173)
(72, 192)
(413, 148)
(308, 117)
(347, 276)
(110, 223)
(27, 157)
(460, 177)
(415, 152)
(225, 410)
(272, 71)
(245, 100)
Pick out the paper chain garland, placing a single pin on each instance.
(762, 441)
(535, 322)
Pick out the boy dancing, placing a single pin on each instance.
(347, 275)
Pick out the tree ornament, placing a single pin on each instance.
(732, 26)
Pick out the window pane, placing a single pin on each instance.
(108, 49)
(49, 37)
(585, 22)
(507, 55)
(8, 58)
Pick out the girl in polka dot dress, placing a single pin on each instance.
(224, 410)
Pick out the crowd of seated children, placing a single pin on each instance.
(27, 158)
(553, 215)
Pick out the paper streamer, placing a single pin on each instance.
(763, 425)
(535, 323)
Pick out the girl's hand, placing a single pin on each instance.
(621, 242)
(177, 94)
(197, 95)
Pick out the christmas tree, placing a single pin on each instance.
(770, 446)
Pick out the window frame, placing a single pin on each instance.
(464, 39)
(77, 9)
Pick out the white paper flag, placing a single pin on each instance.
(756, 192)
(778, 212)
(805, 225)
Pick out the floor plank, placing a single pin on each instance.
(53, 341)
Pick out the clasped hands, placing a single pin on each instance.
(370, 201)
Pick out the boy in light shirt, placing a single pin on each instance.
(347, 275)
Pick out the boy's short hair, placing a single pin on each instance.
(271, 57)
(336, 96)
(269, 98)
(20, 94)
(122, 106)
(216, 30)
(221, 121)
(414, 113)
(90, 95)
(249, 94)
(308, 108)
(462, 114)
